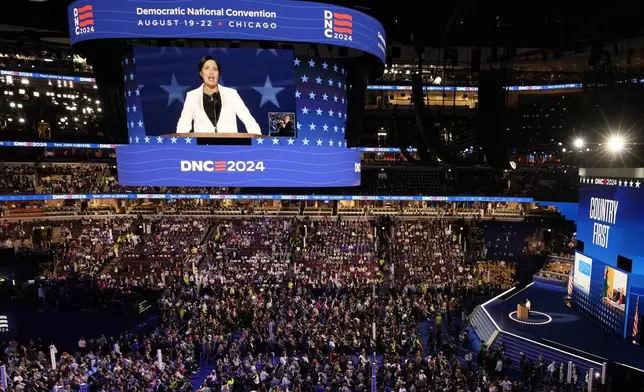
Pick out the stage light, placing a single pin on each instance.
(616, 143)
(579, 143)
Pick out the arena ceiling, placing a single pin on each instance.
(546, 23)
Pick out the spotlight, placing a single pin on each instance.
(616, 143)
(579, 143)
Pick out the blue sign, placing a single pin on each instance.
(36, 75)
(610, 221)
(160, 140)
(283, 20)
(466, 88)
(177, 165)
(56, 145)
(206, 196)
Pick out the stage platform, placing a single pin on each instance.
(556, 325)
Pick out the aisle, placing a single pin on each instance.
(198, 379)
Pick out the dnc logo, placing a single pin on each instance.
(338, 26)
(83, 19)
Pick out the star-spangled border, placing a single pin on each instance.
(328, 131)
(628, 183)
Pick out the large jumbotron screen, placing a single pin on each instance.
(297, 103)
(275, 112)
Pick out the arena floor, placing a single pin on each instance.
(559, 323)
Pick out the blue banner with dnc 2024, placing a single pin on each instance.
(237, 166)
(251, 20)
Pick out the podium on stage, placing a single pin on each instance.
(522, 312)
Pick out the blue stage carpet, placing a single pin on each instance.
(568, 328)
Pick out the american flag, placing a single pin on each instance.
(636, 319)
(321, 101)
(570, 283)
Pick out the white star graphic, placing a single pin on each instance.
(305, 141)
(126, 61)
(134, 108)
(311, 95)
(631, 183)
(140, 124)
(299, 126)
(147, 139)
(159, 140)
(318, 111)
(335, 98)
(330, 143)
(136, 139)
(319, 142)
(340, 114)
(296, 62)
(343, 70)
(345, 115)
(269, 93)
(342, 129)
(342, 100)
(297, 94)
(318, 80)
(176, 92)
(335, 128)
(137, 92)
(188, 140)
(291, 141)
(131, 76)
(312, 127)
(311, 63)
(131, 124)
(331, 112)
(304, 78)
(325, 97)
(273, 51)
(335, 68)
(129, 93)
(173, 140)
(127, 108)
(325, 128)
(619, 182)
(305, 110)
(130, 140)
(340, 84)
(330, 82)
(637, 184)
(125, 78)
(276, 141)
(260, 141)
(325, 65)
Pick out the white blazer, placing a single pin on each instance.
(232, 107)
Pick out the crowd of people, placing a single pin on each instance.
(103, 178)
(268, 304)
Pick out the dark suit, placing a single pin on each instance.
(285, 129)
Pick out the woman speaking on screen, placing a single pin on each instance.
(212, 108)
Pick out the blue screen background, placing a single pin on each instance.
(164, 75)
